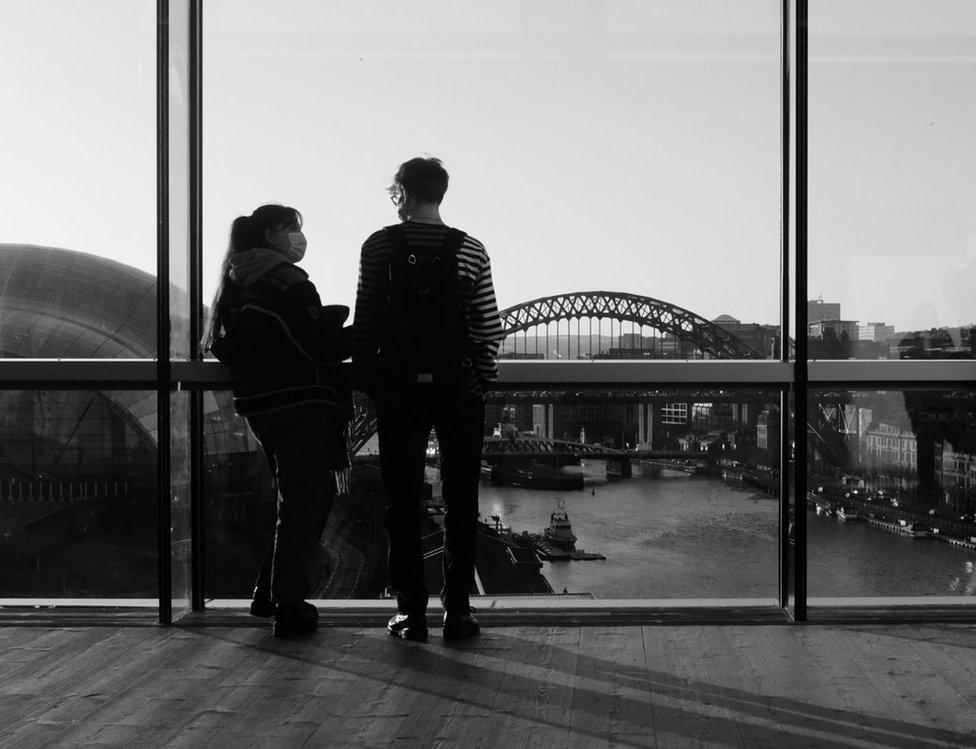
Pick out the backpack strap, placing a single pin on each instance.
(453, 240)
(400, 244)
(398, 237)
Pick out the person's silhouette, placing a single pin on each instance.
(425, 339)
(283, 347)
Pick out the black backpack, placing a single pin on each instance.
(425, 338)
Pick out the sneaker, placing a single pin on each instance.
(408, 626)
(459, 625)
(291, 619)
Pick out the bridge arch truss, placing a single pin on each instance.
(642, 311)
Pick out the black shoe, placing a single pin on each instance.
(408, 626)
(293, 619)
(262, 606)
(459, 625)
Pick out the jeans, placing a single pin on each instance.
(295, 443)
(404, 428)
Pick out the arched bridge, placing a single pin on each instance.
(642, 311)
(620, 309)
(502, 447)
(527, 447)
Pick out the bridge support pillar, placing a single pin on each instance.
(620, 467)
(542, 420)
(646, 416)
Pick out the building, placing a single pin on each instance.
(877, 332)
(836, 329)
(957, 477)
(891, 448)
(763, 339)
(818, 309)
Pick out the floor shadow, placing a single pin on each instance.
(767, 720)
(948, 635)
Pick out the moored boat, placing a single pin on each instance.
(560, 532)
(917, 530)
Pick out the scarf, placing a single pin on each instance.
(250, 265)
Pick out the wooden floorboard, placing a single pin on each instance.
(902, 685)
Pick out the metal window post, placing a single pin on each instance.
(163, 371)
(197, 524)
(801, 365)
(785, 560)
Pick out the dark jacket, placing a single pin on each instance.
(282, 346)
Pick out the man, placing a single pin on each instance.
(425, 339)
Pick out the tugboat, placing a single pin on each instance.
(560, 532)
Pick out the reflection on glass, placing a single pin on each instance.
(78, 494)
(892, 492)
(239, 496)
(831, 337)
(892, 223)
(669, 495)
(78, 227)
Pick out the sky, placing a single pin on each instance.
(625, 145)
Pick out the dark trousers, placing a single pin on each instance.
(404, 428)
(295, 444)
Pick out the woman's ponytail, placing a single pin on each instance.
(245, 232)
(241, 231)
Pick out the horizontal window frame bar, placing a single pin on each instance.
(896, 372)
(848, 373)
(501, 611)
(771, 373)
(100, 374)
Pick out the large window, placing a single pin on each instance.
(78, 495)
(584, 495)
(659, 185)
(892, 175)
(586, 144)
(892, 495)
(78, 227)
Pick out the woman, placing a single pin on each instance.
(283, 348)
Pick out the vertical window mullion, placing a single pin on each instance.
(785, 557)
(198, 551)
(801, 374)
(163, 374)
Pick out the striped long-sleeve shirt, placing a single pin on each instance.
(480, 310)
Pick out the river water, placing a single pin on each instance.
(677, 537)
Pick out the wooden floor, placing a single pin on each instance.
(816, 685)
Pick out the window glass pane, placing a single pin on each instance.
(179, 180)
(680, 509)
(586, 143)
(891, 496)
(179, 499)
(78, 494)
(239, 497)
(892, 175)
(78, 228)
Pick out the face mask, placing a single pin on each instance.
(296, 246)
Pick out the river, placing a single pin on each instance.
(680, 537)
